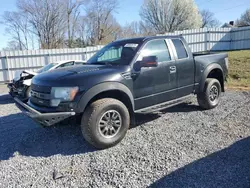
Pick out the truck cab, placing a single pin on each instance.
(139, 75)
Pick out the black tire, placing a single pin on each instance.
(210, 97)
(92, 129)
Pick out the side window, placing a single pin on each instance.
(156, 48)
(180, 49)
(66, 64)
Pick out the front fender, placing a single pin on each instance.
(97, 89)
(206, 72)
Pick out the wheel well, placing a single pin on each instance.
(115, 94)
(217, 74)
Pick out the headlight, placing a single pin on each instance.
(64, 93)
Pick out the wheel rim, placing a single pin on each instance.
(214, 93)
(110, 124)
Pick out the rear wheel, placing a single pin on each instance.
(210, 97)
(105, 122)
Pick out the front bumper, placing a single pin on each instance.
(46, 119)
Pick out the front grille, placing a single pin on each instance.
(40, 102)
(40, 95)
(41, 89)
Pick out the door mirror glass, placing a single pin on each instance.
(149, 61)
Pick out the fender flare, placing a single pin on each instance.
(103, 87)
(206, 72)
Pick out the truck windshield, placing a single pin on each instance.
(116, 53)
(46, 68)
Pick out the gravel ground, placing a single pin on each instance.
(179, 147)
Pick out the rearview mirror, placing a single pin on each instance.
(149, 61)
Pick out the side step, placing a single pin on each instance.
(163, 106)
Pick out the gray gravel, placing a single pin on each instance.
(179, 147)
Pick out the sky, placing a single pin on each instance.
(224, 10)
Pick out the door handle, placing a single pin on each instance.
(172, 69)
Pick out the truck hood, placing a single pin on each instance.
(73, 72)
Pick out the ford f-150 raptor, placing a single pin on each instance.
(139, 75)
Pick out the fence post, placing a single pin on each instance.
(8, 69)
(84, 55)
(231, 40)
(46, 57)
(207, 39)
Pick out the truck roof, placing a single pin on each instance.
(142, 39)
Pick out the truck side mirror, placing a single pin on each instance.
(149, 61)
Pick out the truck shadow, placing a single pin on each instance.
(229, 167)
(6, 99)
(19, 134)
(183, 107)
(145, 118)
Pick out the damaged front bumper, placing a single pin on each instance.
(45, 119)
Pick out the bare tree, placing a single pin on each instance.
(136, 29)
(18, 28)
(81, 31)
(73, 13)
(170, 15)
(208, 19)
(244, 19)
(102, 26)
(12, 45)
(47, 18)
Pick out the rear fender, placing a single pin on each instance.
(206, 72)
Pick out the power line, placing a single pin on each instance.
(230, 8)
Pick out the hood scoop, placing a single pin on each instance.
(84, 69)
(88, 70)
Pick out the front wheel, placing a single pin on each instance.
(105, 123)
(210, 97)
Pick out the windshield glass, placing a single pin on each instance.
(115, 53)
(46, 68)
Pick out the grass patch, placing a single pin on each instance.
(239, 69)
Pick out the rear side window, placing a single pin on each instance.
(180, 49)
(156, 48)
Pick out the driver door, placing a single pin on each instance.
(155, 85)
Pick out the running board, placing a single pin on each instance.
(163, 106)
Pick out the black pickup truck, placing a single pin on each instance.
(139, 75)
